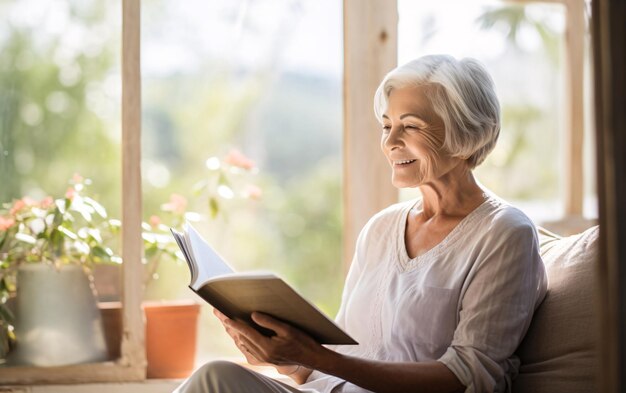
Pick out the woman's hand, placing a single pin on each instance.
(286, 350)
(234, 334)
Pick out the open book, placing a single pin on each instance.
(237, 295)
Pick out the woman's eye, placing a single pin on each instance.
(386, 129)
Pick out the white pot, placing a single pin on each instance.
(57, 321)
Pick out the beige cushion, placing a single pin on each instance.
(558, 353)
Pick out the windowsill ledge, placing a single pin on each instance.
(145, 386)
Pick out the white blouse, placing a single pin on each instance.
(466, 303)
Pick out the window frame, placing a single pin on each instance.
(131, 366)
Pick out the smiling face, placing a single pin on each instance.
(412, 138)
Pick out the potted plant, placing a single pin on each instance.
(170, 353)
(47, 249)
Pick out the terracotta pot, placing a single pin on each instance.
(171, 335)
(171, 332)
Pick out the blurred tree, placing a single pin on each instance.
(512, 18)
(50, 87)
(524, 165)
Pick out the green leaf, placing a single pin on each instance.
(62, 204)
(214, 207)
(6, 314)
(82, 208)
(55, 235)
(149, 237)
(99, 252)
(67, 233)
(96, 206)
(25, 238)
(95, 234)
(222, 180)
(151, 251)
(199, 187)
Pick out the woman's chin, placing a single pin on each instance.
(405, 183)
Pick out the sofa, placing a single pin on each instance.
(558, 353)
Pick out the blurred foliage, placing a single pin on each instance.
(49, 86)
(511, 18)
(525, 164)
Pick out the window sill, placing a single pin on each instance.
(147, 386)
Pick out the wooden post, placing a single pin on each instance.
(609, 55)
(133, 345)
(574, 108)
(370, 51)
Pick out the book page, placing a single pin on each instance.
(209, 263)
(180, 240)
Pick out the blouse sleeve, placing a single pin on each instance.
(354, 273)
(498, 300)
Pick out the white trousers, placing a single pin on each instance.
(227, 377)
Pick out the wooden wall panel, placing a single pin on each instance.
(609, 53)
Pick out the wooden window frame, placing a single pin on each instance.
(131, 366)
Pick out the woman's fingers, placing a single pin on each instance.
(219, 315)
(243, 329)
(253, 349)
(264, 320)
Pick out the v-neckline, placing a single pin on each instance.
(405, 260)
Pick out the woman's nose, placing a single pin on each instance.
(393, 138)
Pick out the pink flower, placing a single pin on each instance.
(154, 221)
(236, 158)
(6, 223)
(17, 206)
(22, 203)
(29, 201)
(76, 178)
(177, 204)
(253, 192)
(70, 193)
(46, 202)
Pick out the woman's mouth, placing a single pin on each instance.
(403, 162)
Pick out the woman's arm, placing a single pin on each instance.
(381, 376)
(290, 346)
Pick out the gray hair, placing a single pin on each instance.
(464, 97)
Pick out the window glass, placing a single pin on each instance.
(242, 125)
(60, 98)
(60, 133)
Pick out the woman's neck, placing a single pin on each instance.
(457, 193)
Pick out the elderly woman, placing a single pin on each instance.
(441, 289)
